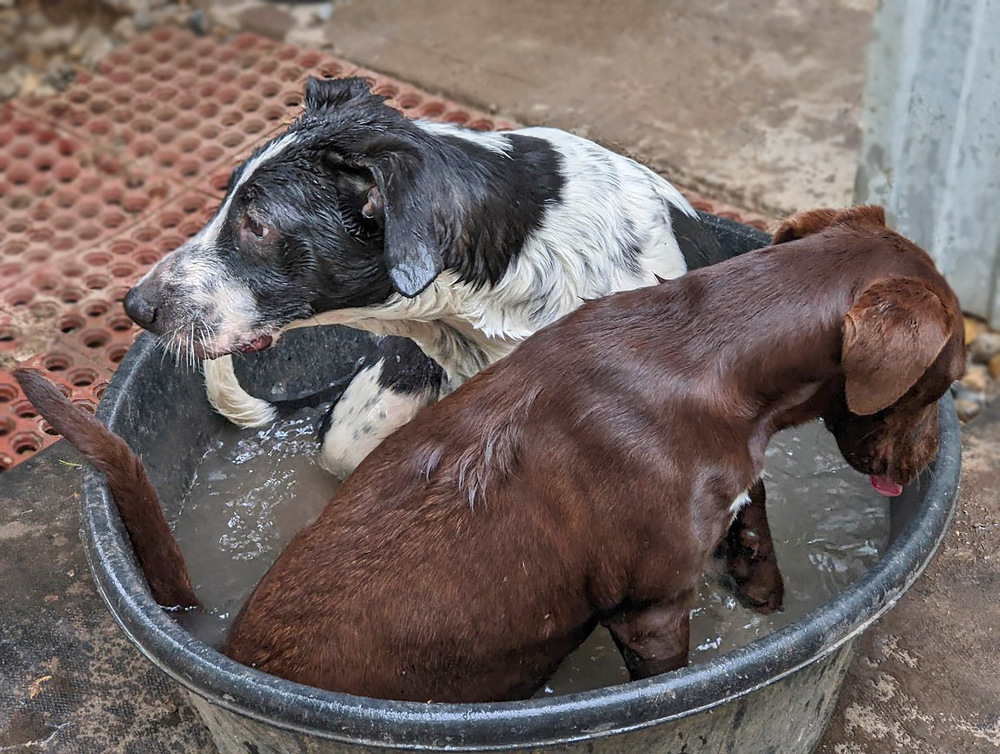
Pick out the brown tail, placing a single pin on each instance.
(154, 544)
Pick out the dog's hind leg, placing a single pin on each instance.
(380, 399)
(750, 557)
(229, 398)
(654, 639)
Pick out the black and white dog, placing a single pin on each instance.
(465, 242)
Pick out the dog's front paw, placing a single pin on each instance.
(750, 558)
(759, 586)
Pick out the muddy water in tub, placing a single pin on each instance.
(254, 490)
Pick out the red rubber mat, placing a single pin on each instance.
(100, 181)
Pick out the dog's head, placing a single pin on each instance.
(902, 348)
(351, 204)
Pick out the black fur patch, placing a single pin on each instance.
(698, 244)
(405, 368)
(505, 203)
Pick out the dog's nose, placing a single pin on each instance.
(140, 308)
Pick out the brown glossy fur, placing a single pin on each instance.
(154, 544)
(588, 477)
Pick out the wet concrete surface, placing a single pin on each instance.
(69, 679)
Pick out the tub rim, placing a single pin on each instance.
(505, 725)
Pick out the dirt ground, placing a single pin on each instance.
(926, 679)
(753, 102)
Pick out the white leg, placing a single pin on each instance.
(365, 415)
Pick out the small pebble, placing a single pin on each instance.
(36, 21)
(132, 6)
(960, 391)
(973, 327)
(30, 84)
(266, 20)
(984, 347)
(324, 12)
(55, 37)
(967, 410)
(144, 20)
(198, 23)
(124, 29)
(95, 45)
(995, 367)
(976, 378)
(10, 84)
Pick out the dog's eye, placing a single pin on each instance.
(258, 229)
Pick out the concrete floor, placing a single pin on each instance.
(927, 678)
(753, 102)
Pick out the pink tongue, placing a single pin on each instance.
(886, 486)
(258, 344)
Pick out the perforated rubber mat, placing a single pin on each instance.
(99, 182)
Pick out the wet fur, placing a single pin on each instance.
(154, 544)
(466, 242)
(588, 477)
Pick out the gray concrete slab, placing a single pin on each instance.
(69, 679)
(753, 102)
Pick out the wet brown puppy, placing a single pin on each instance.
(588, 477)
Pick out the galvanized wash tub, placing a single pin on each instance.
(775, 695)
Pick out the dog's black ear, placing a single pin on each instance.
(419, 194)
(326, 93)
(418, 222)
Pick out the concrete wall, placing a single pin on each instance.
(931, 137)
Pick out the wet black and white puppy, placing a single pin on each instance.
(463, 241)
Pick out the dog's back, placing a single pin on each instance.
(588, 476)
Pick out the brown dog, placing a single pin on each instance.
(587, 477)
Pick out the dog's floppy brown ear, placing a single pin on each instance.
(892, 334)
(813, 221)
